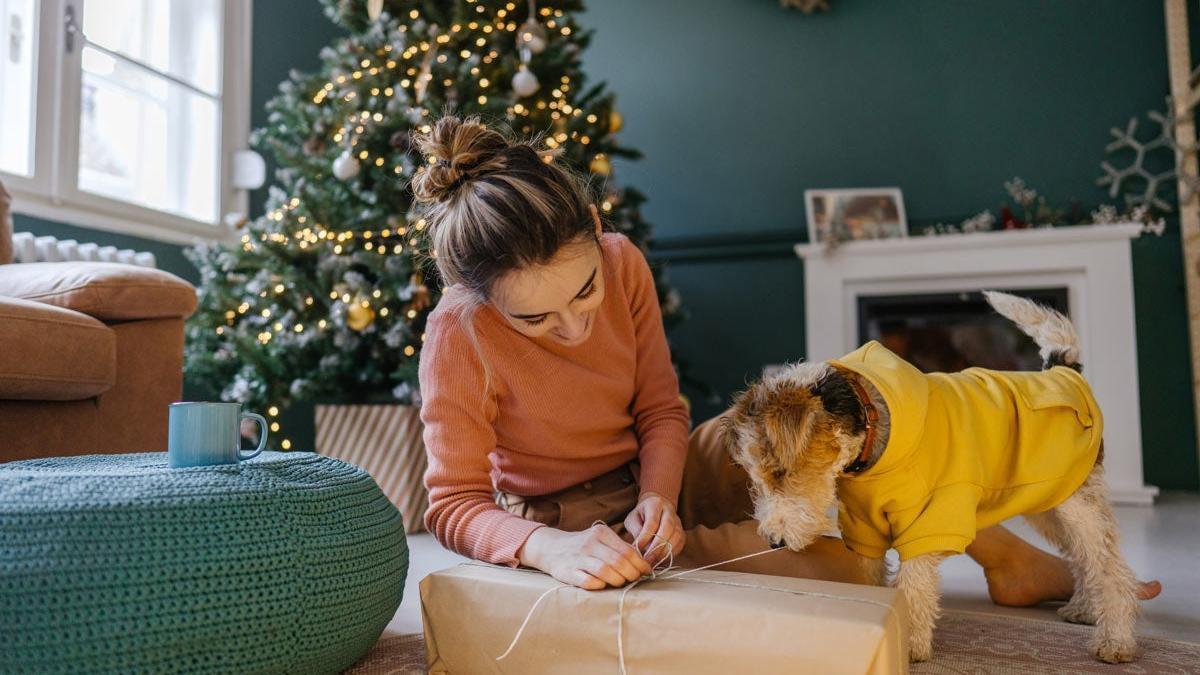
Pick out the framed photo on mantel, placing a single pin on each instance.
(839, 215)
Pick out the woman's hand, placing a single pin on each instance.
(655, 515)
(592, 559)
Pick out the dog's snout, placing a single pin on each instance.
(777, 543)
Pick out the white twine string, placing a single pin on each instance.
(655, 571)
(669, 559)
(528, 616)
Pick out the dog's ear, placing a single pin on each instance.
(839, 399)
(788, 423)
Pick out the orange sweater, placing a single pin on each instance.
(545, 416)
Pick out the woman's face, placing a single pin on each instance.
(557, 300)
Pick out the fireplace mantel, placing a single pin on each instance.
(1091, 261)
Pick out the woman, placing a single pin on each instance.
(552, 415)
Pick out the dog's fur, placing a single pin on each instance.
(796, 431)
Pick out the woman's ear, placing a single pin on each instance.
(596, 219)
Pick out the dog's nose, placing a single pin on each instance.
(780, 543)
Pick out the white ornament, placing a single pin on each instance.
(415, 114)
(531, 36)
(345, 166)
(525, 82)
(374, 8)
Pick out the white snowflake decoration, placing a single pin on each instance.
(1118, 180)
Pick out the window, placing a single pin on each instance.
(125, 114)
(18, 49)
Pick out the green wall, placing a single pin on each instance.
(739, 105)
(744, 105)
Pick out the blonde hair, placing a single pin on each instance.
(494, 204)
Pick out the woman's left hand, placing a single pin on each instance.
(655, 515)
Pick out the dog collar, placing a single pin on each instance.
(870, 417)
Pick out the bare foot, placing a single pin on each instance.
(1041, 577)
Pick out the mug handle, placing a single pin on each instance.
(262, 441)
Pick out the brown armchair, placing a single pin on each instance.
(91, 353)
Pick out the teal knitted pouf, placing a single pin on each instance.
(286, 563)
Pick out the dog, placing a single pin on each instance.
(920, 462)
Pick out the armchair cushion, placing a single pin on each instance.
(53, 354)
(106, 291)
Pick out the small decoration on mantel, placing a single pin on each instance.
(839, 215)
(807, 6)
(1036, 212)
(1145, 182)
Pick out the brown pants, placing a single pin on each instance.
(714, 508)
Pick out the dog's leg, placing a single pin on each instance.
(874, 569)
(1089, 531)
(917, 582)
(1079, 608)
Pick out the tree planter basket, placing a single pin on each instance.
(385, 441)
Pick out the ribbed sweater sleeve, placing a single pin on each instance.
(660, 417)
(458, 410)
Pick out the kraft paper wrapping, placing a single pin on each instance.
(706, 622)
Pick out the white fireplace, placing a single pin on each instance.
(1090, 263)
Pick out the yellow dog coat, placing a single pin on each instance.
(965, 451)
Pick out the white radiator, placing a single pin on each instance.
(29, 248)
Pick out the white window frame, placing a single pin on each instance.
(52, 191)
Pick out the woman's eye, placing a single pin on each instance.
(535, 322)
(588, 293)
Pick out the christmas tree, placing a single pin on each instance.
(325, 295)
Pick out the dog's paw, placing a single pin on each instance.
(1114, 650)
(1077, 612)
(919, 652)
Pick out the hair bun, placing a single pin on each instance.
(456, 151)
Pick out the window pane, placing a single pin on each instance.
(180, 37)
(148, 140)
(18, 50)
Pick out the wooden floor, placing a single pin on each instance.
(1160, 542)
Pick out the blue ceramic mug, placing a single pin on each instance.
(201, 434)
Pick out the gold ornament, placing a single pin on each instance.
(420, 293)
(600, 165)
(359, 317)
(615, 121)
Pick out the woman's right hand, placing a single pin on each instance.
(593, 559)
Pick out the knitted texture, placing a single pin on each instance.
(285, 563)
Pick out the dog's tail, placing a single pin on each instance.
(1054, 334)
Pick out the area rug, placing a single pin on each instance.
(393, 655)
(970, 643)
(966, 643)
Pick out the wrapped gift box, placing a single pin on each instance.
(704, 622)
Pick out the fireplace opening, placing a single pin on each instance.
(947, 332)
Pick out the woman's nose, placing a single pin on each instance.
(572, 326)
